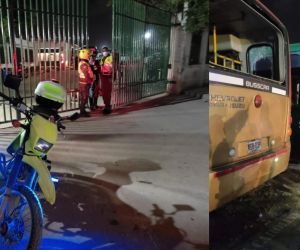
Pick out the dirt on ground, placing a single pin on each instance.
(266, 218)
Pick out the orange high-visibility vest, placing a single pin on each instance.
(85, 73)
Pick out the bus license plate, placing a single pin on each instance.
(254, 146)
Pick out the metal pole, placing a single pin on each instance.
(141, 87)
(156, 65)
(115, 44)
(59, 16)
(29, 48)
(49, 41)
(76, 34)
(120, 26)
(130, 48)
(139, 62)
(44, 40)
(73, 39)
(215, 44)
(133, 66)
(86, 23)
(54, 18)
(125, 87)
(70, 46)
(11, 37)
(66, 48)
(168, 50)
(142, 37)
(78, 23)
(20, 46)
(115, 49)
(135, 53)
(63, 37)
(38, 50)
(152, 43)
(82, 18)
(144, 47)
(123, 90)
(5, 55)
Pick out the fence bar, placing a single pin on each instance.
(4, 48)
(11, 38)
(40, 43)
(60, 44)
(54, 41)
(73, 37)
(29, 49)
(20, 52)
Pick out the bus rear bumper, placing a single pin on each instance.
(231, 183)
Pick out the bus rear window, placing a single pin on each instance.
(243, 40)
(260, 61)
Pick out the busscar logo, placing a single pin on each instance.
(255, 85)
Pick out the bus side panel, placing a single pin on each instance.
(242, 134)
(235, 122)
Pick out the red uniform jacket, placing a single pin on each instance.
(85, 73)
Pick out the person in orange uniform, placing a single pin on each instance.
(86, 78)
(106, 70)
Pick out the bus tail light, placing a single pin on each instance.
(257, 101)
(290, 120)
(289, 130)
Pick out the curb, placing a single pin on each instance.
(198, 93)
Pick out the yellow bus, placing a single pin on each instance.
(249, 98)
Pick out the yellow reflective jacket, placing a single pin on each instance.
(106, 64)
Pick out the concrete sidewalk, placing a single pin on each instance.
(156, 157)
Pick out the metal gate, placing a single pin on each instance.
(141, 38)
(39, 40)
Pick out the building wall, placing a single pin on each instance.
(181, 75)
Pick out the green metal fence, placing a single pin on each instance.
(141, 38)
(39, 40)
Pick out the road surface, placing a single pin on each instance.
(137, 179)
(267, 218)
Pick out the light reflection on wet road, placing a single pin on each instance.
(143, 187)
(89, 215)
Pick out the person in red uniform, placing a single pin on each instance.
(95, 88)
(86, 78)
(106, 70)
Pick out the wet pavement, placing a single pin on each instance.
(89, 215)
(136, 179)
(267, 218)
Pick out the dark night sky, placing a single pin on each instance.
(100, 19)
(288, 11)
(99, 23)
